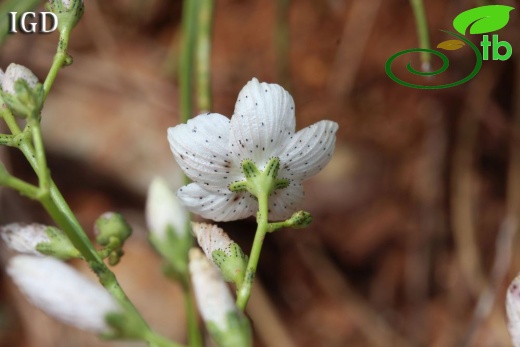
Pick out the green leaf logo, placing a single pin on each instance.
(483, 19)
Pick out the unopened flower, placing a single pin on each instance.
(222, 251)
(211, 150)
(38, 239)
(164, 210)
(14, 73)
(24, 238)
(62, 292)
(225, 322)
(513, 311)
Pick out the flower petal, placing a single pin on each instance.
(200, 147)
(284, 202)
(308, 151)
(222, 205)
(263, 117)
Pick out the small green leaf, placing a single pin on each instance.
(483, 19)
(451, 45)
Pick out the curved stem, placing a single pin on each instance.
(262, 219)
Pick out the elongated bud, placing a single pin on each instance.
(220, 249)
(513, 311)
(63, 293)
(16, 73)
(299, 219)
(227, 325)
(168, 222)
(164, 211)
(38, 239)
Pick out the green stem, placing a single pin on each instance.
(422, 31)
(60, 59)
(155, 340)
(23, 187)
(282, 41)
(9, 119)
(189, 28)
(6, 140)
(262, 219)
(205, 22)
(41, 160)
(194, 336)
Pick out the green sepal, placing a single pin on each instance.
(25, 101)
(237, 333)
(232, 267)
(299, 220)
(59, 245)
(174, 249)
(124, 326)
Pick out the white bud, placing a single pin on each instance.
(15, 72)
(1, 76)
(24, 238)
(214, 299)
(513, 311)
(164, 209)
(211, 238)
(62, 292)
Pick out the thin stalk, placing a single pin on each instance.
(60, 60)
(282, 41)
(188, 39)
(205, 25)
(422, 32)
(262, 219)
(194, 336)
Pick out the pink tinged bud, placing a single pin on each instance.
(24, 238)
(15, 72)
(211, 238)
(62, 292)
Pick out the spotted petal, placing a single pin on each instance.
(264, 116)
(200, 148)
(283, 202)
(308, 151)
(221, 205)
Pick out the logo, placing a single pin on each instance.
(480, 21)
(33, 26)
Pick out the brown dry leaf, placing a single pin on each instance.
(451, 45)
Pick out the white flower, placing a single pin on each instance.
(211, 238)
(24, 238)
(13, 73)
(513, 311)
(214, 299)
(210, 149)
(62, 292)
(163, 208)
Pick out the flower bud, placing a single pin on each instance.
(15, 73)
(226, 324)
(164, 211)
(219, 248)
(69, 12)
(299, 219)
(63, 293)
(513, 310)
(38, 239)
(110, 226)
(21, 90)
(167, 221)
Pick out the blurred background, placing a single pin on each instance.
(415, 218)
